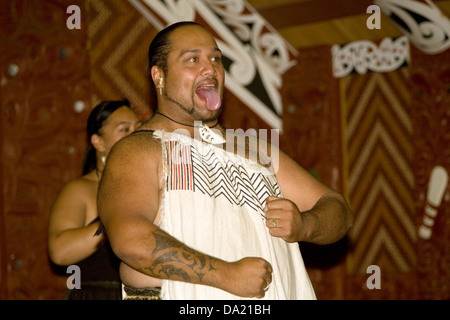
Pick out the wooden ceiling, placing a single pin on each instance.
(308, 23)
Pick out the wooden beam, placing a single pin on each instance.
(300, 12)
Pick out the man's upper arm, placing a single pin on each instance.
(297, 184)
(128, 195)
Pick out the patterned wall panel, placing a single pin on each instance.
(312, 136)
(43, 74)
(430, 90)
(378, 173)
(118, 40)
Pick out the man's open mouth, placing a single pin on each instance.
(208, 93)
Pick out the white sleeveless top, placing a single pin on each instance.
(213, 202)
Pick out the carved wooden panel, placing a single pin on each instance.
(311, 115)
(380, 183)
(43, 74)
(312, 136)
(119, 38)
(237, 115)
(430, 92)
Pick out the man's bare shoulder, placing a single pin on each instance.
(140, 142)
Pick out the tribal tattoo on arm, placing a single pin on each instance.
(176, 261)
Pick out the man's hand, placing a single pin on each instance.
(249, 277)
(283, 218)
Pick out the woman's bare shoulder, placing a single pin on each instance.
(83, 184)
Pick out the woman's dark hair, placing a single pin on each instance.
(160, 47)
(94, 123)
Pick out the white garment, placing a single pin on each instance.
(213, 202)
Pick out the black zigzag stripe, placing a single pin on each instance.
(230, 181)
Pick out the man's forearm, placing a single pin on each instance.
(175, 261)
(164, 257)
(329, 220)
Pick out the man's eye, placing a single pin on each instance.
(193, 59)
(217, 59)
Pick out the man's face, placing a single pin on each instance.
(195, 76)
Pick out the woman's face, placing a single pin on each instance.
(119, 124)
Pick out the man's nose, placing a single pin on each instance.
(208, 67)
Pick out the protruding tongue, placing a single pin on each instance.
(211, 97)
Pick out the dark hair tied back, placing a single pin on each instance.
(95, 122)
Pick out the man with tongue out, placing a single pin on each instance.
(191, 219)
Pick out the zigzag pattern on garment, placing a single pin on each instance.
(233, 182)
(216, 178)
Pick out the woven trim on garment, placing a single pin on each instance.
(142, 293)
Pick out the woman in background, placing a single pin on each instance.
(73, 237)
